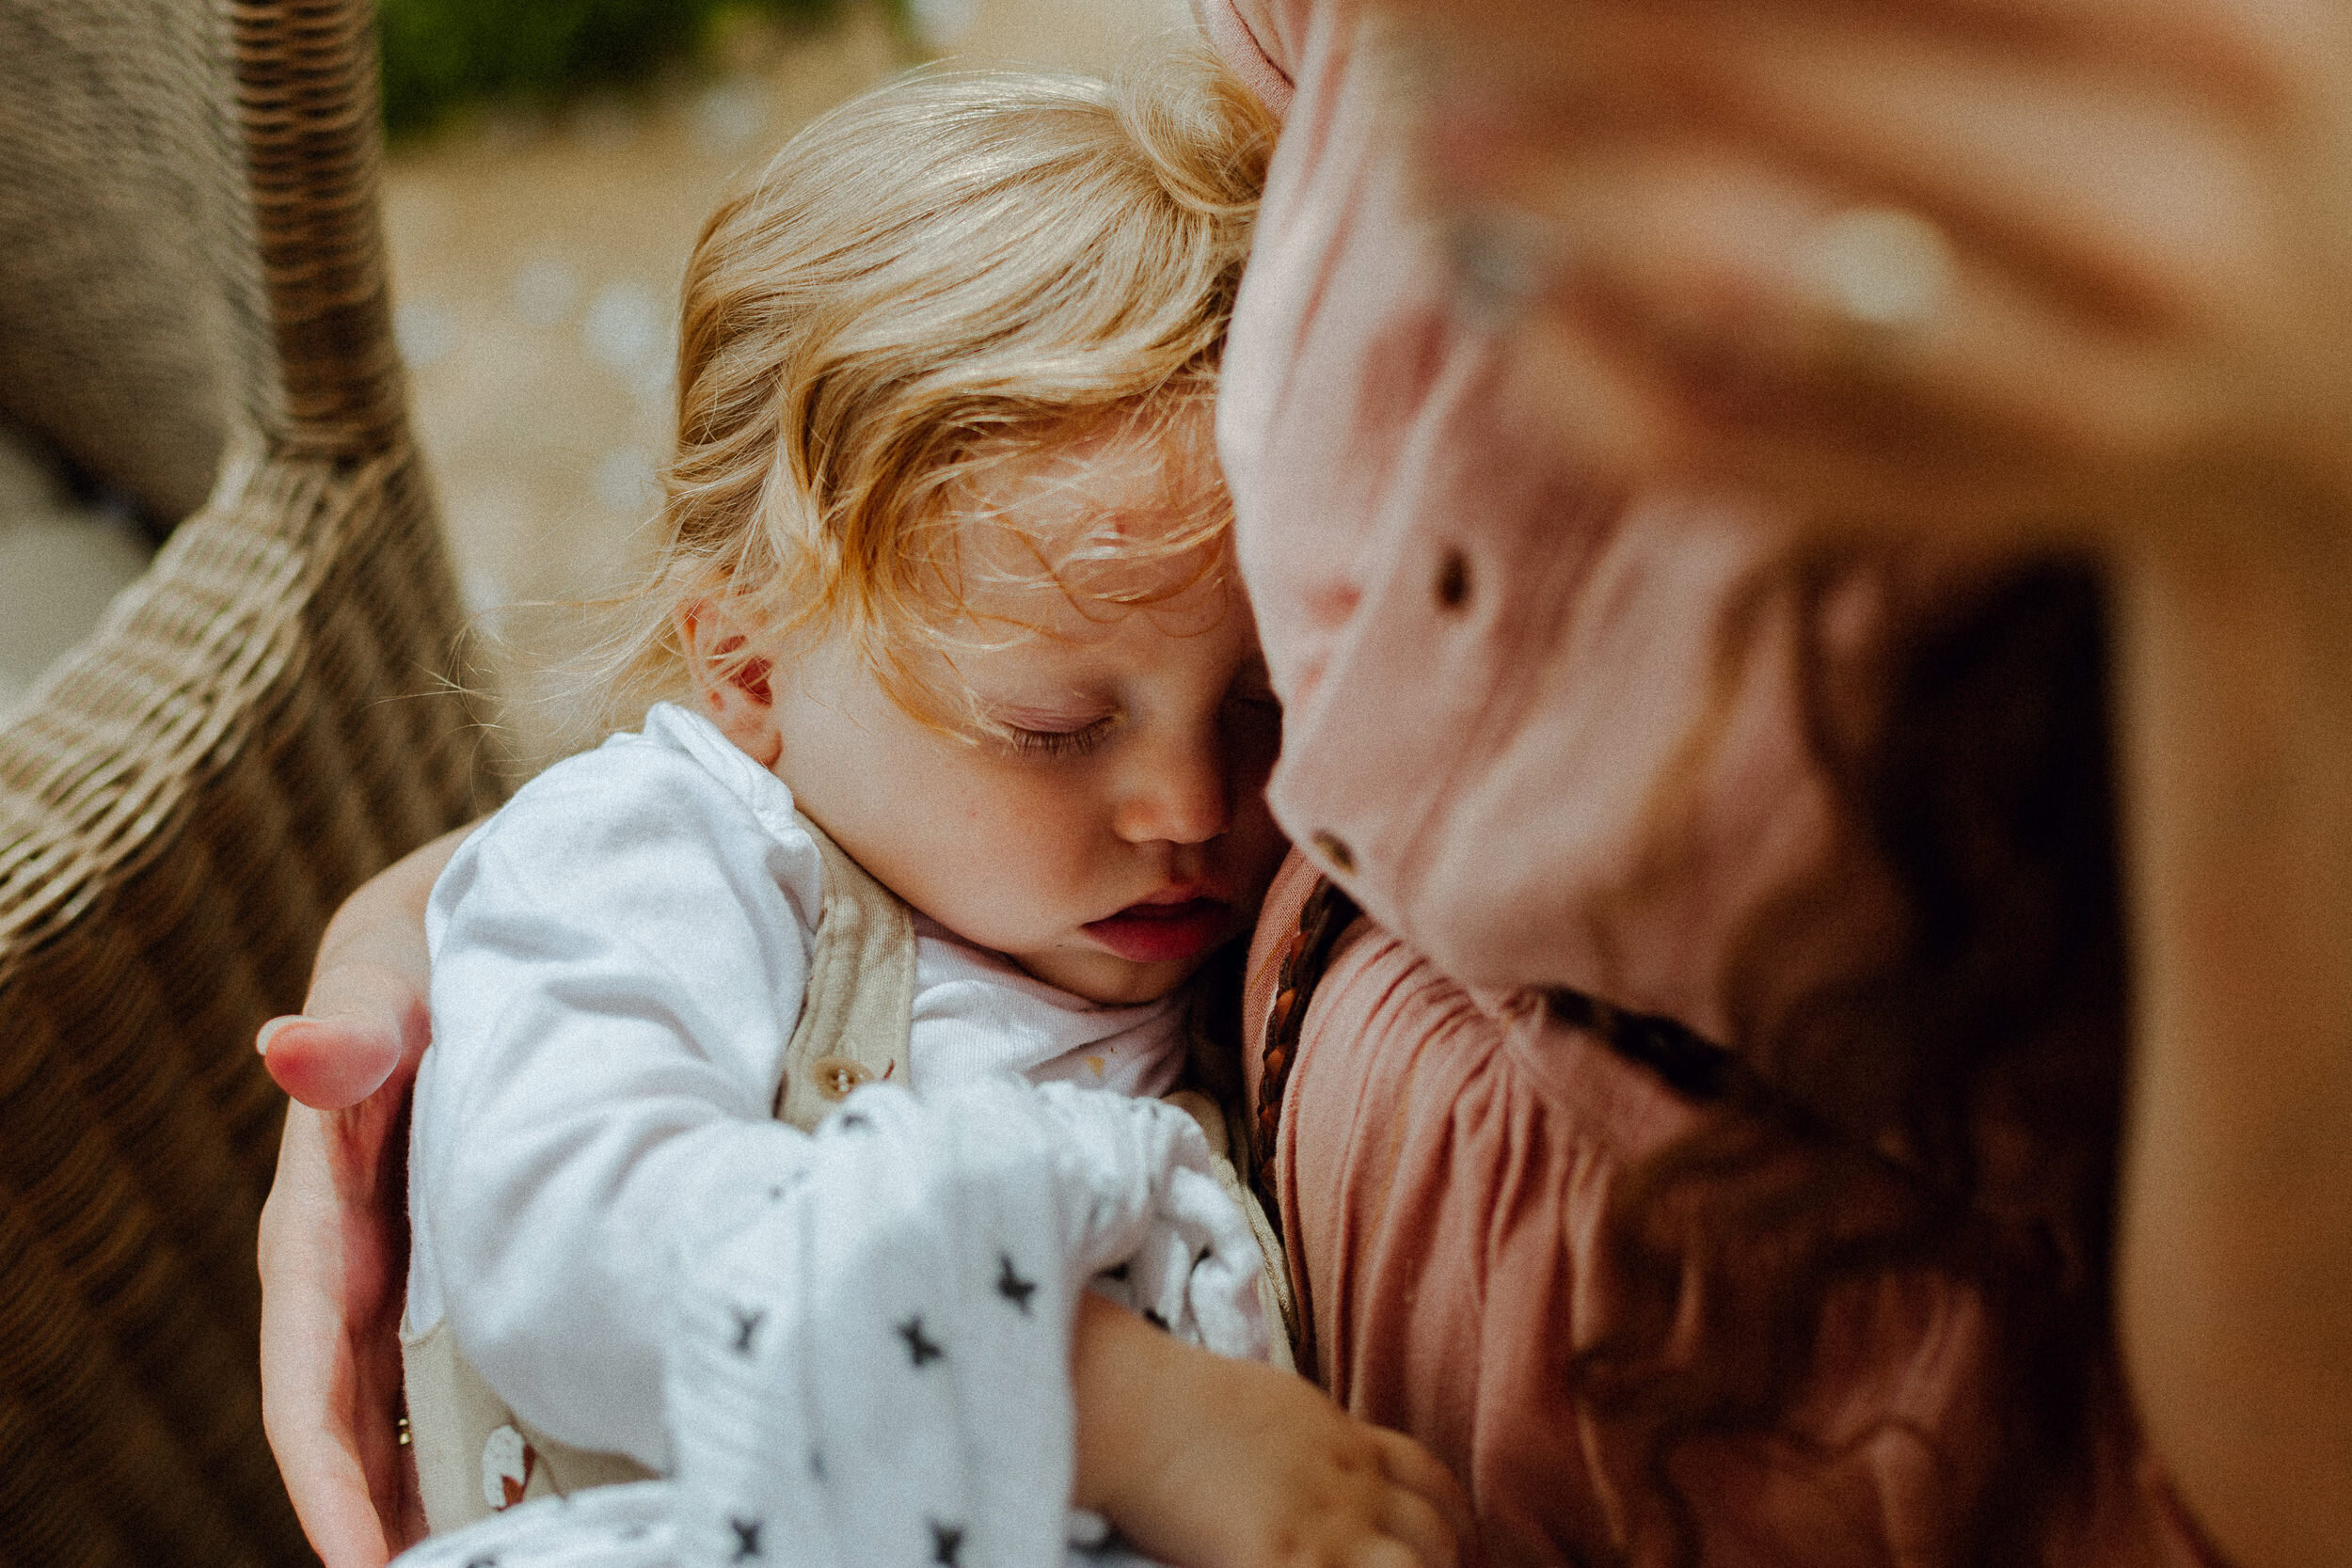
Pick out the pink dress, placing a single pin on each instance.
(1443, 1162)
(1488, 669)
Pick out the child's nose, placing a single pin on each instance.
(1176, 793)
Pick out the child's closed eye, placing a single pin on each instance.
(1057, 743)
(1045, 729)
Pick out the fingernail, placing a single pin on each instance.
(269, 1030)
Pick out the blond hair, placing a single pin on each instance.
(933, 278)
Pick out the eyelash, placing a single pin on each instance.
(1060, 743)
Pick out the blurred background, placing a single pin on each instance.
(550, 162)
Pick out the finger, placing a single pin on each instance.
(311, 1428)
(1382, 1551)
(2223, 42)
(1569, 379)
(329, 1064)
(342, 1510)
(2116, 194)
(2247, 51)
(1820, 458)
(1700, 240)
(2121, 194)
(1690, 323)
(330, 1372)
(1414, 1468)
(1412, 1518)
(362, 1023)
(331, 1501)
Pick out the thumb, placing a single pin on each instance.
(363, 1025)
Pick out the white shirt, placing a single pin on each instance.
(619, 958)
(870, 1363)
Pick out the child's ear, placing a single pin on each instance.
(731, 678)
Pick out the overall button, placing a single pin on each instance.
(835, 1076)
(1335, 851)
(1452, 584)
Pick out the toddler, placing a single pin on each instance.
(962, 787)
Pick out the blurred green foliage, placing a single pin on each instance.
(440, 54)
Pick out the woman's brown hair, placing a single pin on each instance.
(1948, 1110)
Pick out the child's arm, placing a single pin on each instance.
(1207, 1463)
(617, 960)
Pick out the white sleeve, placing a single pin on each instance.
(873, 1365)
(887, 1390)
(618, 961)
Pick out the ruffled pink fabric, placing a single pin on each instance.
(1444, 1165)
(1488, 764)
(1492, 672)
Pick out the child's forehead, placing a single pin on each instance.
(1041, 642)
(1098, 600)
(1127, 466)
(1125, 512)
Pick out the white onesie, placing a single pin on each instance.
(619, 957)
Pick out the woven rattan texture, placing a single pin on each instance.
(259, 725)
(313, 149)
(130, 309)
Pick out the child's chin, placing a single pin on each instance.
(1111, 980)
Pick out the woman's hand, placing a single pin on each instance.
(334, 1244)
(1974, 260)
(1990, 262)
(1207, 1463)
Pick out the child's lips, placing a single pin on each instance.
(1152, 933)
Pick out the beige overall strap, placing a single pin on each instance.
(475, 1456)
(861, 993)
(1216, 1124)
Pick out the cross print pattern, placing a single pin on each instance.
(1010, 1285)
(872, 1370)
(921, 1349)
(942, 1418)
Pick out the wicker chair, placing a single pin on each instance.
(192, 297)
